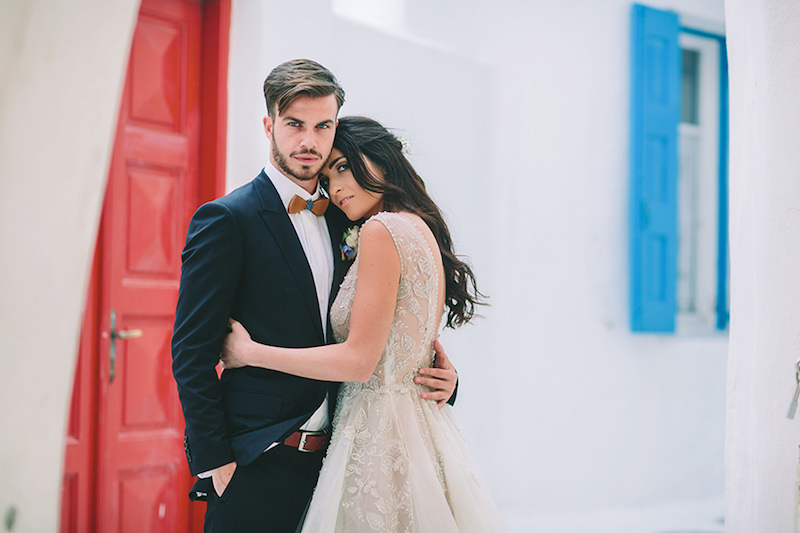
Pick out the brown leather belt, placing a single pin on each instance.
(307, 441)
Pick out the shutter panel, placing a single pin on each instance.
(655, 112)
(722, 247)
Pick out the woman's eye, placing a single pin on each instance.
(342, 167)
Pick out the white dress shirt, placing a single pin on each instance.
(312, 231)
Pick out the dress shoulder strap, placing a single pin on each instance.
(417, 262)
(405, 234)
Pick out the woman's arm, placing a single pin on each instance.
(370, 321)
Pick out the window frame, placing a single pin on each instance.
(653, 205)
(723, 262)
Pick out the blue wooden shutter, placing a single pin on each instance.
(722, 246)
(655, 111)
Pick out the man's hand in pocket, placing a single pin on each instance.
(221, 476)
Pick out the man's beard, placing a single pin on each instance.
(307, 173)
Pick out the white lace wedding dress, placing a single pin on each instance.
(397, 463)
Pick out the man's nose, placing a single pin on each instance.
(309, 140)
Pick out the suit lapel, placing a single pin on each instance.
(337, 224)
(277, 221)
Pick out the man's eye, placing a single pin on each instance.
(324, 126)
(293, 124)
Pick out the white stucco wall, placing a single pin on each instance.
(615, 418)
(517, 114)
(58, 107)
(762, 472)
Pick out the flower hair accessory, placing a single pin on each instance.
(349, 246)
(404, 146)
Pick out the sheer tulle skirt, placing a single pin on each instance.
(398, 464)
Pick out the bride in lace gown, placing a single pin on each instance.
(396, 462)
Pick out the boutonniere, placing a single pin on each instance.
(349, 246)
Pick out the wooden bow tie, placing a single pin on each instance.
(297, 204)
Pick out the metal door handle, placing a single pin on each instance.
(123, 335)
(130, 334)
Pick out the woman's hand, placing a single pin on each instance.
(235, 347)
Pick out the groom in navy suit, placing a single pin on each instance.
(267, 254)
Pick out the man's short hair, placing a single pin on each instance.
(299, 77)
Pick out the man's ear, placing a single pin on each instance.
(268, 127)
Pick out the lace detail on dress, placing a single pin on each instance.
(376, 480)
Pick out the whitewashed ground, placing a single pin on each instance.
(679, 517)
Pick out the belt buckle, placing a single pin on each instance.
(301, 446)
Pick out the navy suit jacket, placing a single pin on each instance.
(243, 260)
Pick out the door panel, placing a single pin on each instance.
(154, 177)
(125, 468)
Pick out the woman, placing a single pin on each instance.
(395, 463)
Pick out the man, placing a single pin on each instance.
(266, 255)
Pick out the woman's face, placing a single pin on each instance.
(344, 190)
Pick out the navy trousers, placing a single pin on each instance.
(269, 495)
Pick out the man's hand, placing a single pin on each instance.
(442, 378)
(234, 347)
(221, 476)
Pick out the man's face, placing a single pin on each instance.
(302, 138)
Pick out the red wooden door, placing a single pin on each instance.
(142, 479)
(125, 468)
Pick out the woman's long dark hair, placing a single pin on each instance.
(404, 190)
